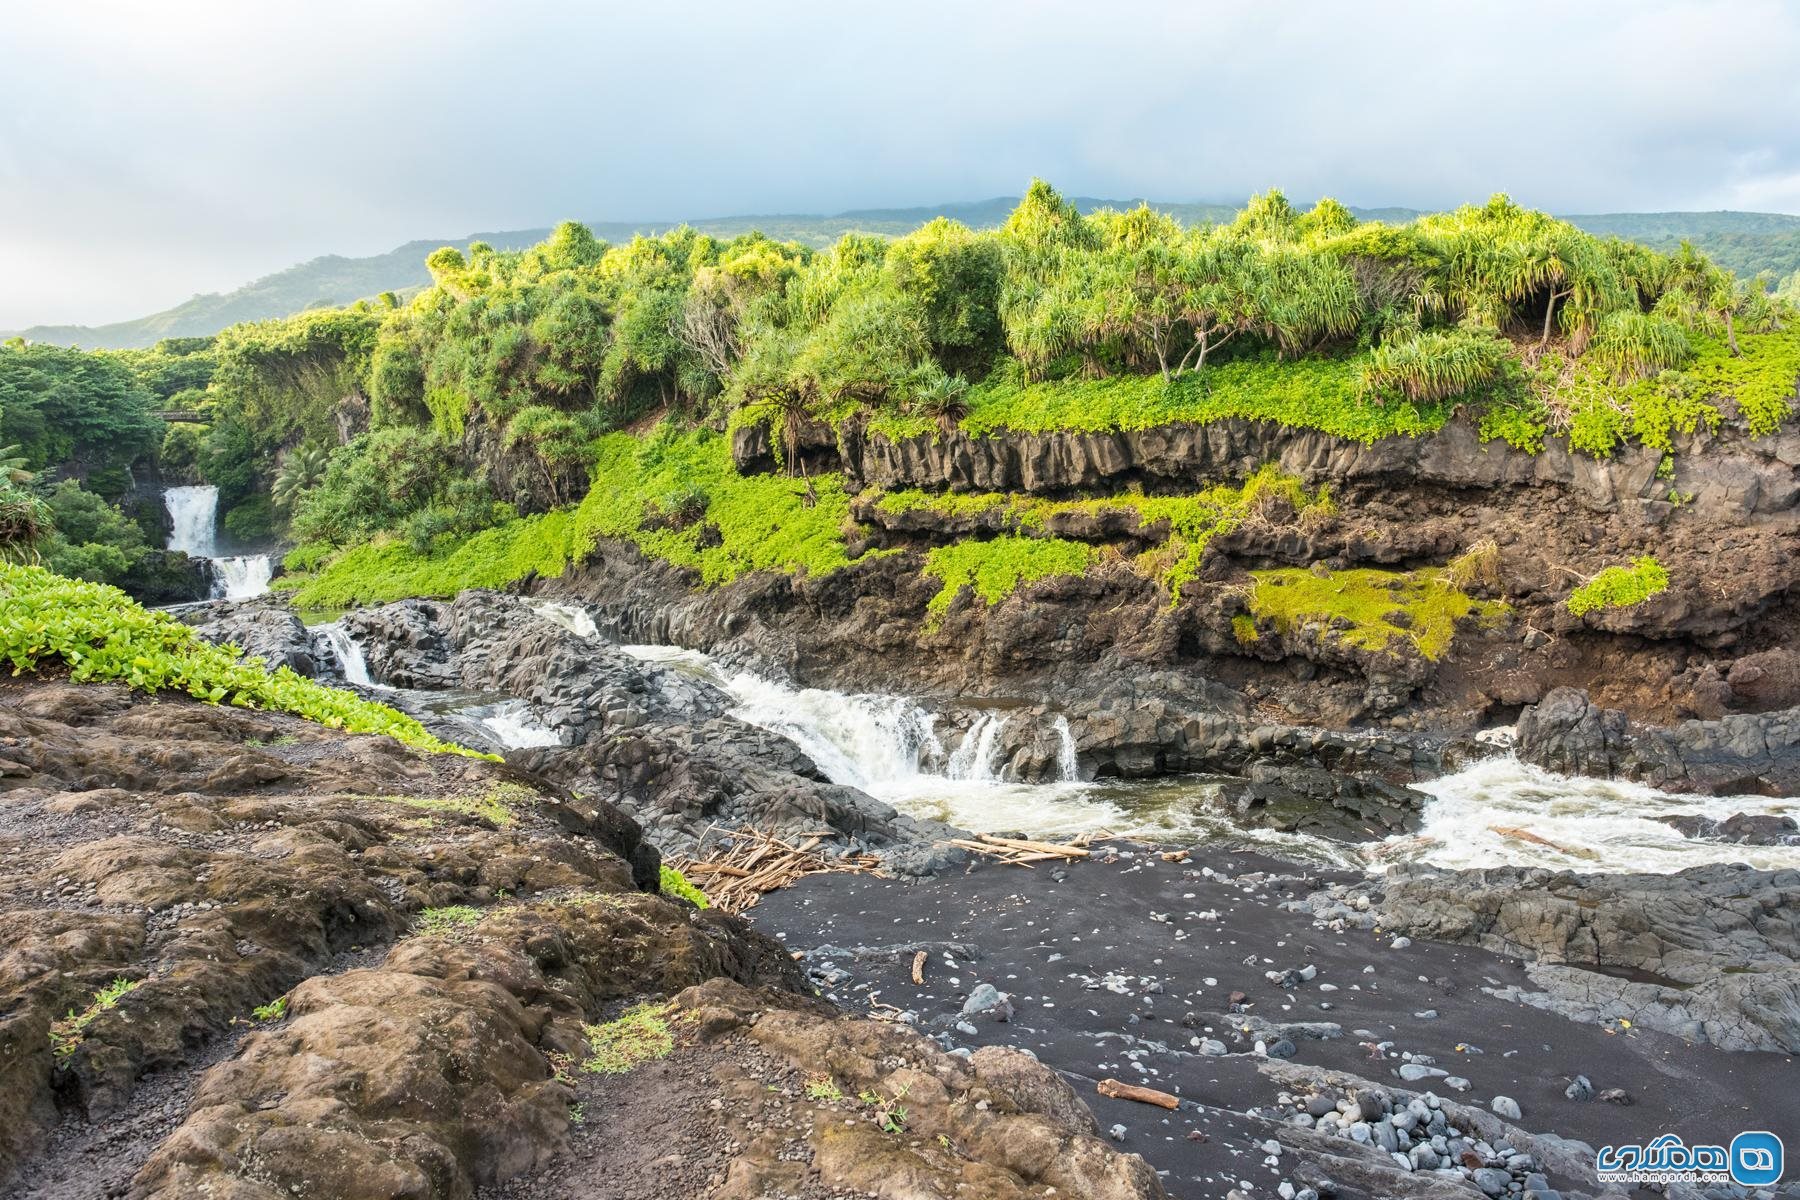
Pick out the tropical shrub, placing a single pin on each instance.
(98, 634)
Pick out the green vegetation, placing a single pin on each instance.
(995, 568)
(66, 1034)
(824, 1089)
(449, 921)
(1620, 587)
(495, 806)
(275, 1010)
(1366, 608)
(1183, 525)
(638, 1036)
(98, 634)
(674, 883)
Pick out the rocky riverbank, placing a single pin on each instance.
(1327, 1035)
(249, 956)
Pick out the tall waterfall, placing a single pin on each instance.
(193, 517)
(193, 530)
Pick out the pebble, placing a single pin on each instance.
(1506, 1106)
(1117, 1132)
(1580, 1090)
(1400, 943)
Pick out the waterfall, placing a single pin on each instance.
(875, 743)
(1068, 767)
(242, 576)
(977, 760)
(193, 514)
(193, 525)
(349, 655)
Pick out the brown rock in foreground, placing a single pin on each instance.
(249, 957)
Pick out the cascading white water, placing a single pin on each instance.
(239, 577)
(351, 663)
(977, 759)
(514, 726)
(1501, 811)
(571, 617)
(1068, 767)
(193, 530)
(193, 513)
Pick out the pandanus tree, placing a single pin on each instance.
(302, 470)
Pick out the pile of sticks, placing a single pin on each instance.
(750, 863)
(1022, 853)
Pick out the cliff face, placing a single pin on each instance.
(1722, 514)
(1735, 478)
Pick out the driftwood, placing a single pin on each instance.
(1020, 852)
(919, 967)
(752, 863)
(1129, 1091)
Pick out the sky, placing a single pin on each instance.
(152, 151)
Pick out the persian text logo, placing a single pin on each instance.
(1754, 1160)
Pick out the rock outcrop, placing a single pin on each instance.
(249, 956)
(1711, 952)
(1740, 754)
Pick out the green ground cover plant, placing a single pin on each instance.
(639, 1035)
(1620, 587)
(66, 1034)
(1367, 608)
(99, 634)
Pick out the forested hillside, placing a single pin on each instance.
(1747, 243)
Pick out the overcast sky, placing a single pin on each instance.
(149, 151)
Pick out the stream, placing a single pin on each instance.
(1496, 812)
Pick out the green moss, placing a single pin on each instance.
(638, 1036)
(674, 883)
(677, 496)
(1369, 609)
(99, 634)
(995, 568)
(1191, 520)
(1243, 628)
(497, 805)
(1620, 587)
(1312, 393)
(450, 921)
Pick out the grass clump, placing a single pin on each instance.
(1191, 521)
(388, 568)
(1367, 608)
(100, 635)
(66, 1035)
(449, 921)
(1620, 587)
(639, 1035)
(995, 568)
(274, 1010)
(496, 806)
(674, 883)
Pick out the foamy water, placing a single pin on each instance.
(1493, 813)
(1502, 812)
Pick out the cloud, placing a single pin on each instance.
(149, 151)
